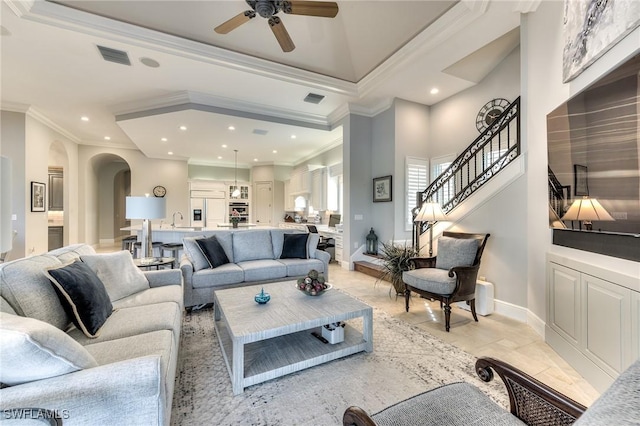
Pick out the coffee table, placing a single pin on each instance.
(262, 342)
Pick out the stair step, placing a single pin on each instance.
(368, 268)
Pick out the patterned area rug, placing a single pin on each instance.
(405, 361)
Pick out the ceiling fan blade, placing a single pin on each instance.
(325, 9)
(281, 34)
(235, 22)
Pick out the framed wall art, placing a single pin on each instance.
(38, 196)
(581, 183)
(382, 189)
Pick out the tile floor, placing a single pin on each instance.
(494, 335)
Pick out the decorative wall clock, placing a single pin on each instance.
(489, 112)
(159, 191)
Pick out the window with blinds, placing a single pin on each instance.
(439, 165)
(417, 179)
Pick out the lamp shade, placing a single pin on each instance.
(430, 212)
(6, 233)
(587, 209)
(146, 208)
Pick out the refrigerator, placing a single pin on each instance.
(208, 208)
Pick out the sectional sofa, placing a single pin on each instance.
(122, 373)
(253, 256)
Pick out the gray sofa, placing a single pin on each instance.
(255, 257)
(125, 375)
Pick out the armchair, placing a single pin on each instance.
(451, 275)
(531, 403)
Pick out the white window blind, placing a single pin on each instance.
(417, 180)
(439, 165)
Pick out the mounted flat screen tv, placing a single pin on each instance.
(593, 144)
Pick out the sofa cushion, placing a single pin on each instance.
(150, 296)
(263, 270)
(194, 254)
(300, 267)
(295, 246)
(456, 252)
(30, 293)
(135, 320)
(71, 252)
(83, 294)
(225, 238)
(213, 251)
(120, 276)
(222, 275)
(430, 279)
(312, 244)
(35, 350)
(252, 245)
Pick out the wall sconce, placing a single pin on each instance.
(585, 210)
(431, 213)
(146, 208)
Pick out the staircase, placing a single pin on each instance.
(495, 149)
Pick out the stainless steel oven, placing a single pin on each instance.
(241, 209)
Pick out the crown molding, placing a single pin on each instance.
(14, 107)
(60, 16)
(366, 111)
(40, 117)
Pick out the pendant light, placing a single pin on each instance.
(236, 190)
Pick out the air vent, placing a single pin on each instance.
(314, 98)
(260, 132)
(113, 55)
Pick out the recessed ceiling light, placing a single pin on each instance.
(219, 157)
(293, 136)
(163, 139)
(183, 127)
(84, 118)
(275, 151)
(434, 91)
(255, 159)
(231, 128)
(170, 152)
(107, 138)
(152, 63)
(224, 145)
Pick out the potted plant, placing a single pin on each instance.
(235, 218)
(395, 260)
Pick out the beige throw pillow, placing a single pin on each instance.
(121, 277)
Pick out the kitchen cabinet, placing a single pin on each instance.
(56, 237)
(300, 182)
(55, 193)
(289, 200)
(319, 189)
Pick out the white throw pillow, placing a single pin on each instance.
(120, 276)
(34, 350)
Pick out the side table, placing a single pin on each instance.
(154, 261)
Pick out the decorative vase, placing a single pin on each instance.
(235, 224)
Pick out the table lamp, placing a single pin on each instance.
(429, 212)
(146, 208)
(586, 209)
(6, 233)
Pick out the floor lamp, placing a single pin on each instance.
(6, 232)
(431, 213)
(146, 208)
(586, 209)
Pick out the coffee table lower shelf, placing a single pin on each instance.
(275, 357)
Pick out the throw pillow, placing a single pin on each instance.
(120, 276)
(83, 295)
(213, 251)
(194, 254)
(455, 252)
(34, 350)
(295, 246)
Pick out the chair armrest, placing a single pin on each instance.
(164, 277)
(356, 416)
(423, 262)
(530, 400)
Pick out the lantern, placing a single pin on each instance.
(372, 243)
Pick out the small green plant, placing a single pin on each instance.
(395, 260)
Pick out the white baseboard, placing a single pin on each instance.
(536, 323)
(521, 314)
(106, 241)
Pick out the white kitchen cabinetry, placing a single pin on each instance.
(319, 189)
(300, 183)
(338, 248)
(592, 318)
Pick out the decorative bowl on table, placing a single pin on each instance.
(262, 297)
(313, 284)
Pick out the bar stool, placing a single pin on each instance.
(174, 248)
(127, 243)
(156, 245)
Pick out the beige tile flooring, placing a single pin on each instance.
(494, 335)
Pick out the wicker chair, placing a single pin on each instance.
(451, 276)
(531, 402)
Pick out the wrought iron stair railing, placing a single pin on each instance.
(484, 158)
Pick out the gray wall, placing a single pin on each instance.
(382, 217)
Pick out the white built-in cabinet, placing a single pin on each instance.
(593, 318)
(319, 189)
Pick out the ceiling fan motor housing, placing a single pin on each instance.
(266, 8)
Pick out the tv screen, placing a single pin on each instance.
(334, 219)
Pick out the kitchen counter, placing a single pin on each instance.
(166, 234)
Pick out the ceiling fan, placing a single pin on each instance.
(269, 8)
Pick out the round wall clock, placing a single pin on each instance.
(489, 112)
(159, 191)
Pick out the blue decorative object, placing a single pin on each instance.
(262, 297)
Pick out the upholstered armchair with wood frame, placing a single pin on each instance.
(451, 275)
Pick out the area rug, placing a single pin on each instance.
(405, 361)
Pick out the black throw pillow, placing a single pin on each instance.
(295, 246)
(213, 251)
(83, 295)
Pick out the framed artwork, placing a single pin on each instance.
(590, 28)
(581, 184)
(382, 189)
(38, 196)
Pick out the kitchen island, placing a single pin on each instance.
(167, 234)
